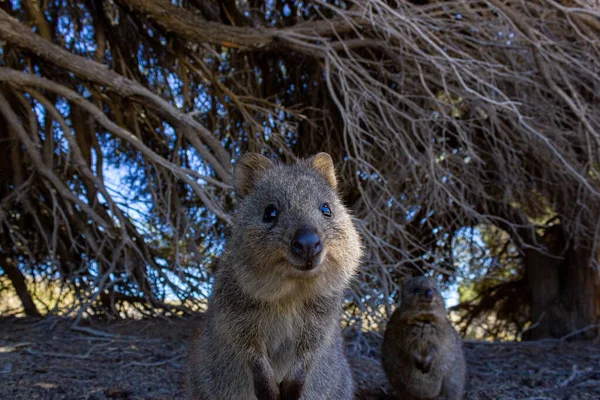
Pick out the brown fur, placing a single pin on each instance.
(422, 354)
(272, 329)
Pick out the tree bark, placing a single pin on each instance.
(192, 27)
(564, 289)
(564, 286)
(18, 281)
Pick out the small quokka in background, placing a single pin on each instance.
(272, 329)
(422, 353)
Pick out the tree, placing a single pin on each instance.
(440, 116)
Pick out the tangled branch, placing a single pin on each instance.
(440, 116)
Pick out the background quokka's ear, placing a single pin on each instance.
(247, 170)
(323, 163)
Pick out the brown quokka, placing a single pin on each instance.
(272, 329)
(422, 353)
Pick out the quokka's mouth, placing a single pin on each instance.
(302, 264)
(303, 274)
(427, 304)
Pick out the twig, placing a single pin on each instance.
(582, 330)
(154, 364)
(8, 349)
(67, 355)
(93, 332)
(570, 378)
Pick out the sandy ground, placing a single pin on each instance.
(46, 359)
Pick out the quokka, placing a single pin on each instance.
(272, 329)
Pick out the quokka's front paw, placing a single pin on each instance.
(291, 389)
(265, 385)
(267, 392)
(292, 385)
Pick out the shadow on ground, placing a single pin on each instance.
(47, 359)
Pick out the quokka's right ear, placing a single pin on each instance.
(323, 164)
(247, 170)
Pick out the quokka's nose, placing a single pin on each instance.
(428, 294)
(306, 243)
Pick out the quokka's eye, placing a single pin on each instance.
(326, 210)
(270, 214)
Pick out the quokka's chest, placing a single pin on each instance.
(423, 331)
(282, 329)
(281, 336)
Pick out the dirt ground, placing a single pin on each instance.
(47, 359)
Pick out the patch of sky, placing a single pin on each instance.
(118, 186)
(36, 70)
(201, 288)
(269, 8)
(94, 161)
(160, 77)
(267, 133)
(86, 42)
(108, 57)
(464, 242)
(84, 91)
(221, 110)
(287, 11)
(258, 74)
(59, 135)
(93, 268)
(65, 28)
(63, 107)
(363, 176)
(142, 62)
(283, 69)
(75, 186)
(175, 85)
(426, 218)
(450, 294)
(202, 102)
(161, 261)
(169, 132)
(196, 163)
(412, 212)
(40, 113)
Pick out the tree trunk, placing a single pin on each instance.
(18, 281)
(564, 289)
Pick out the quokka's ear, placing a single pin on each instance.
(247, 170)
(323, 163)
